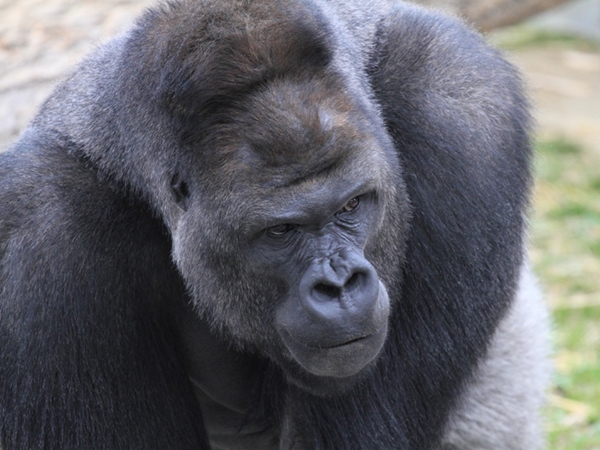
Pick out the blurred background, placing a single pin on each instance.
(555, 43)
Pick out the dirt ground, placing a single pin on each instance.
(565, 87)
(42, 40)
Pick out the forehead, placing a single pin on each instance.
(294, 133)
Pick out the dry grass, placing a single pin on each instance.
(565, 250)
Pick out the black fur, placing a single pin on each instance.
(132, 210)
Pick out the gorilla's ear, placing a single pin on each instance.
(180, 190)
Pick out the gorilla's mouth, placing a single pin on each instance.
(339, 360)
(349, 342)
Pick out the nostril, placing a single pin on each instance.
(353, 280)
(326, 290)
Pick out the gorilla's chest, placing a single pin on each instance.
(223, 380)
(223, 426)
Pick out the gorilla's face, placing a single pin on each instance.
(283, 238)
(333, 320)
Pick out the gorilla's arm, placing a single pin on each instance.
(458, 118)
(456, 113)
(499, 407)
(89, 356)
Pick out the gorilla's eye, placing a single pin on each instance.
(351, 205)
(279, 230)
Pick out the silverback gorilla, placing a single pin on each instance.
(273, 224)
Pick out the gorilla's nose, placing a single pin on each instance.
(341, 287)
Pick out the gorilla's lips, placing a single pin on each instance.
(339, 360)
(348, 342)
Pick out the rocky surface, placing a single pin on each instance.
(42, 40)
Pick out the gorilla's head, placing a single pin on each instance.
(292, 210)
(287, 242)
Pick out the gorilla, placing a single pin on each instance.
(273, 224)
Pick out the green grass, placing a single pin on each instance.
(523, 36)
(565, 230)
